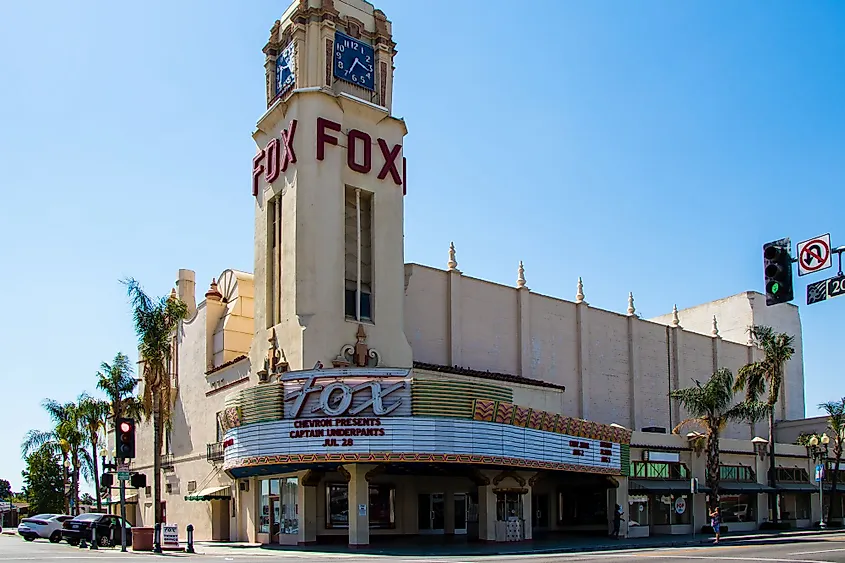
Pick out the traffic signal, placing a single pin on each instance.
(106, 480)
(138, 480)
(778, 271)
(125, 442)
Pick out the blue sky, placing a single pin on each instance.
(646, 146)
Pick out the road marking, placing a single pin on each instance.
(715, 557)
(820, 551)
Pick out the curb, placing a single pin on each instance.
(761, 539)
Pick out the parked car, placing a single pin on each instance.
(48, 526)
(107, 529)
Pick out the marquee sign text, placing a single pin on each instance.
(279, 154)
(344, 397)
(338, 432)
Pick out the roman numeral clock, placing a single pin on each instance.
(354, 61)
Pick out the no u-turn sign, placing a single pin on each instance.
(814, 255)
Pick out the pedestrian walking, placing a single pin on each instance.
(716, 522)
(617, 521)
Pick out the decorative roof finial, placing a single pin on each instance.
(453, 263)
(675, 320)
(173, 294)
(715, 330)
(579, 297)
(631, 309)
(520, 279)
(213, 294)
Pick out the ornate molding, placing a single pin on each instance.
(275, 362)
(479, 478)
(346, 475)
(358, 354)
(505, 474)
(312, 478)
(376, 471)
(536, 478)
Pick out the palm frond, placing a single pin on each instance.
(36, 440)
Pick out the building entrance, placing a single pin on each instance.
(460, 513)
(431, 509)
(540, 511)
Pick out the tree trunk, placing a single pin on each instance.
(66, 490)
(96, 475)
(773, 497)
(74, 485)
(157, 456)
(713, 476)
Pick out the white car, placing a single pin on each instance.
(48, 526)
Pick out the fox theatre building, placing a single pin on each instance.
(337, 393)
(368, 451)
(364, 442)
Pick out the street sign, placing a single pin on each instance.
(5, 506)
(819, 473)
(825, 289)
(814, 255)
(122, 475)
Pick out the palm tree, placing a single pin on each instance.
(66, 440)
(155, 323)
(92, 419)
(711, 406)
(836, 423)
(118, 382)
(755, 377)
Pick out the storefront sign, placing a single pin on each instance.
(279, 154)
(170, 535)
(680, 505)
(345, 396)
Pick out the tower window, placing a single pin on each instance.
(358, 276)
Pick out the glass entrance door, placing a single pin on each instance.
(540, 511)
(460, 514)
(275, 519)
(431, 513)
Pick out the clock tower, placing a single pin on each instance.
(328, 180)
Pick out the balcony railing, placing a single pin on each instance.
(167, 462)
(214, 452)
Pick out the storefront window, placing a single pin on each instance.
(579, 507)
(264, 522)
(738, 508)
(289, 518)
(670, 510)
(382, 506)
(638, 510)
(337, 505)
(659, 470)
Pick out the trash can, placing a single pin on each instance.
(142, 539)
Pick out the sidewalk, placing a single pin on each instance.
(411, 548)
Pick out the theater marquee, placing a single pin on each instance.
(374, 415)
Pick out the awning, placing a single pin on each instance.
(741, 487)
(663, 486)
(797, 487)
(131, 498)
(212, 493)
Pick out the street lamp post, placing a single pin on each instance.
(818, 452)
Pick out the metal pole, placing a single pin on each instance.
(122, 515)
(821, 500)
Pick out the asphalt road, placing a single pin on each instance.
(808, 549)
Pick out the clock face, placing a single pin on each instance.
(354, 61)
(285, 70)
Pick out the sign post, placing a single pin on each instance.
(123, 476)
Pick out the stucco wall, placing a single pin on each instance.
(194, 426)
(734, 315)
(616, 367)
